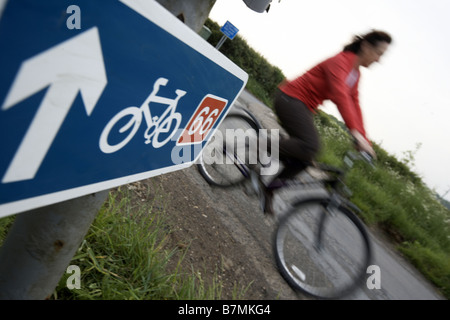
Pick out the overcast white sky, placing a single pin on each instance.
(405, 99)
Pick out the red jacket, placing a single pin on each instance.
(334, 79)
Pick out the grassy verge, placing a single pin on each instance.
(126, 255)
(395, 200)
(5, 225)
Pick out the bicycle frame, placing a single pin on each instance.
(154, 122)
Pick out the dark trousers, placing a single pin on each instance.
(299, 149)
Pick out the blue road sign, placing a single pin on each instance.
(97, 94)
(229, 30)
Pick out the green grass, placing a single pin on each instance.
(396, 201)
(126, 256)
(5, 226)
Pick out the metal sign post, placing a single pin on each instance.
(41, 244)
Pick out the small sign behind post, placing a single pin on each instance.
(98, 95)
(229, 31)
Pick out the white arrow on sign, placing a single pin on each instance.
(72, 66)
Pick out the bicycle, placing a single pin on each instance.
(167, 123)
(321, 247)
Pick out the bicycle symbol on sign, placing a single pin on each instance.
(169, 121)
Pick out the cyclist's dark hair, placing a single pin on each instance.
(373, 37)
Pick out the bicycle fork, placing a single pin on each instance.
(327, 212)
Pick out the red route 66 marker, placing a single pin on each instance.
(203, 119)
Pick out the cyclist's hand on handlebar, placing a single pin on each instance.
(362, 144)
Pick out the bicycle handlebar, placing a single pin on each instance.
(360, 155)
(367, 157)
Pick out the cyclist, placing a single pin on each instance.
(334, 79)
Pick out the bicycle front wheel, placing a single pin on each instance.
(226, 157)
(322, 251)
(133, 116)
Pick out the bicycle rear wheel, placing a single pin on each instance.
(321, 251)
(226, 157)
